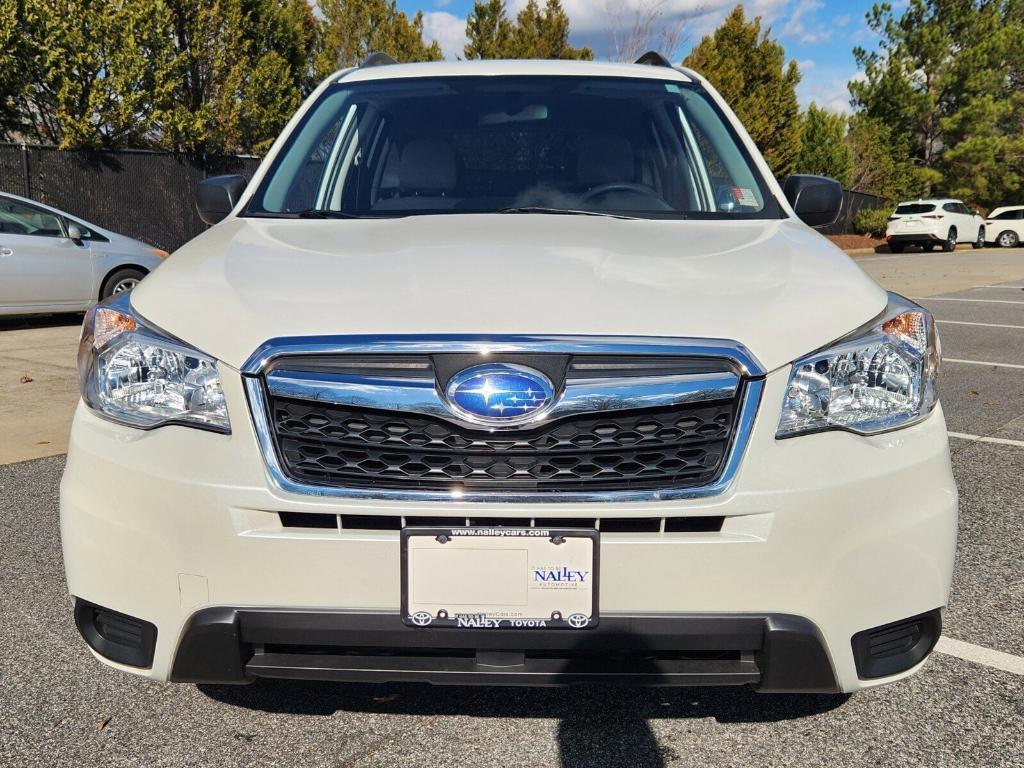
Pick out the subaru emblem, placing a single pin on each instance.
(496, 394)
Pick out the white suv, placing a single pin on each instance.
(517, 373)
(1005, 226)
(934, 223)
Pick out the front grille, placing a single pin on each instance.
(343, 446)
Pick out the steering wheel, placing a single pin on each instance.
(621, 186)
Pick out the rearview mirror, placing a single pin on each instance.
(74, 233)
(218, 195)
(816, 200)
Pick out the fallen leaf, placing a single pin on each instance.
(42, 442)
(972, 393)
(103, 724)
(25, 378)
(56, 723)
(386, 698)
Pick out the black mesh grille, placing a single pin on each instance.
(679, 447)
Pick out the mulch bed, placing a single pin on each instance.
(850, 242)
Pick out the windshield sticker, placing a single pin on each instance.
(744, 196)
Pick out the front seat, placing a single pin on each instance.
(426, 177)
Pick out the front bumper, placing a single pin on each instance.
(836, 532)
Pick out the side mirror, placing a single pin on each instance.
(218, 195)
(817, 200)
(74, 233)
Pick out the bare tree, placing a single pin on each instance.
(647, 25)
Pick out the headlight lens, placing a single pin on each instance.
(135, 375)
(878, 378)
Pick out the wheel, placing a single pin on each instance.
(896, 247)
(1008, 239)
(949, 244)
(120, 281)
(980, 242)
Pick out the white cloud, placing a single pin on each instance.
(826, 87)
(591, 19)
(806, 65)
(448, 30)
(799, 26)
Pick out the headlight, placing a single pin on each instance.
(878, 378)
(137, 376)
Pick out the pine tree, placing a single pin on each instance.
(749, 69)
(535, 34)
(823, 147)
(881, 164)
(489, 31)
(947, 80)
(91, 71)
(353, 29)
(14, 57)
(544, 34)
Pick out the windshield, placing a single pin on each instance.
(619, 146)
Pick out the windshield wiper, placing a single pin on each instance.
(563, 212)
(326, 213)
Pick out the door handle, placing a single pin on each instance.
(5, 252)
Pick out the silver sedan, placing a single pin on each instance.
(53, 262)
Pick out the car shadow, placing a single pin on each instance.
(598, 725)
(23, 322)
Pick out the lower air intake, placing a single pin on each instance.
(894, 648)
(116, 636)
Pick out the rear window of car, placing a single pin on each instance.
(1009, 215)
(911, 208)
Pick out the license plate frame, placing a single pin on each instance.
(543, 587)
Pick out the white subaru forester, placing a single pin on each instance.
(511, 373)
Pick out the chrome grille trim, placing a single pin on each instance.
(745, 363)
(421, 395)
(324, 387)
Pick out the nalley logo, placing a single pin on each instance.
(564, 575)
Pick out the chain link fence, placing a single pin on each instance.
(146, 195)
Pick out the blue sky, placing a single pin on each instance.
(819, 35)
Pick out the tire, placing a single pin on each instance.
(949, 244)
(980, 242)
(120, 281)
(1008, 239)
(896, 247)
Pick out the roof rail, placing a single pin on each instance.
(377, 59)
(653, 59)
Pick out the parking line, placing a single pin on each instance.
(979, 301)
(982, 439)
(981, 325)
(1000, 286)
(1007, 662)
(980, 362)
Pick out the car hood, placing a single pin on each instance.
(776, 287)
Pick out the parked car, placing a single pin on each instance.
(51, 261)
(506, 372)
(934, 223)
(1005, 226)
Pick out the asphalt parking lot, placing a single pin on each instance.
(59, 707)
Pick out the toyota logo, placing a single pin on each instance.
(421, 618)
(578, 621)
